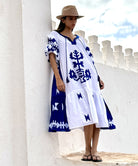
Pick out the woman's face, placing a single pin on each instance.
(70, 22)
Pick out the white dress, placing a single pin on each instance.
(84, 101)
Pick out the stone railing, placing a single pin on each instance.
(106, 55)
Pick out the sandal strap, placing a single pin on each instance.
(96, 156)
(87, 155)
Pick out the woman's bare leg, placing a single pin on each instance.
(88, 133)
(95, 139)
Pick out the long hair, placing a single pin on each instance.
(61, 26)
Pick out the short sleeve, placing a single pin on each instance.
(52, 46)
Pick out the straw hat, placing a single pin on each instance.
(69, 10)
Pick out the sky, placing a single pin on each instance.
(114, 20)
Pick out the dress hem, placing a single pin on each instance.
(104, 126)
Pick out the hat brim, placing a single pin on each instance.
(61, 16)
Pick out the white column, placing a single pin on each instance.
(13, 147)
(42, 146)
(25, 85)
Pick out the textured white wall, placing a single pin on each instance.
(13, 149)
(121, 94)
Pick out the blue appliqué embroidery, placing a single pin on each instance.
(79, 95)
(79, 73)
(57, 106)
(61, 125)
(88, 50)
(87, 117)
(52, 46)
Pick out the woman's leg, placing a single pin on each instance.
(88, 133)
(95, 139)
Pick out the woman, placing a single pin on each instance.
(76, 97)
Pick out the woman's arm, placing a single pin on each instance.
(59, 82)
(101, 84)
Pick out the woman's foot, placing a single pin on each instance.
(87, 157)
(95, 156)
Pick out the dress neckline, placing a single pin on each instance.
(72, 41)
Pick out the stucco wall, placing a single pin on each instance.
(25, 85)
(121, 91)
(13, 149)
(42, 147)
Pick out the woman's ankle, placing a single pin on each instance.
(93, 151)
(88, 150)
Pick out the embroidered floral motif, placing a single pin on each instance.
(87, 117)
(52, 47)
(89, 52)
(60, 125)
(54, 107)
(87, 49)
(79, 95)
(57, 106)
(110, 122)
(57, 91)
(79, 73)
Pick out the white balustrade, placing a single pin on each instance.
(129, 59)
(106, 55)
(107, 52)
(95, 48)
(118, 56)
(80, 33)
(136, 60)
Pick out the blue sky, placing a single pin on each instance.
(114, 20)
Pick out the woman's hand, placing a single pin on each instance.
(60, 85)
(101, 84)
